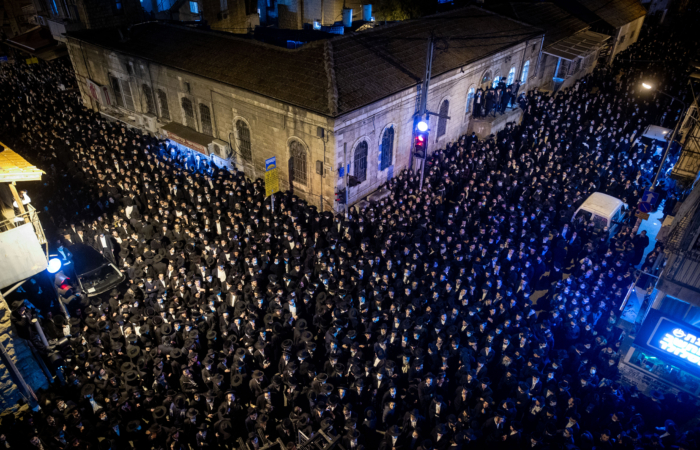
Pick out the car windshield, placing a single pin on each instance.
(96, 279)
(600, 221)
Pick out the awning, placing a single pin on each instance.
(687, 294)
(579, 45)
(39, 42)
(188, 137)
(15, 168)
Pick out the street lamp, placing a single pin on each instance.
(649, 86)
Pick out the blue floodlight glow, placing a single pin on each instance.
(54, 265)
(422, 126)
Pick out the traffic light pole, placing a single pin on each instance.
(345, 176)
(424, 101)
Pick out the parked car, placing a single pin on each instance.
(94, 272)
(605, 211)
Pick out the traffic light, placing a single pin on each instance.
(340, 196)
(420, 141)
(420, 144)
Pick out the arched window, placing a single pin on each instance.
(511, 76)
(360, 161)
(470, 99)
(442, 121)
(189, 112)
(148, 94)
(496, 80)
(244, 147)
(297, 163)
(206, 119)
(526, 69)
(387, 149)
(486, 78)
(163, 101)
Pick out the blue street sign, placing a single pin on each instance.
(341, 171)
(644, 207)
(650, 197)
(270, 163)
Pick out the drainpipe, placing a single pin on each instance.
(539, 58)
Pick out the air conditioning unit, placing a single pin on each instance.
(150, 122)
(220, 149)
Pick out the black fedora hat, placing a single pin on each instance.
(159, 412)
(132, 351)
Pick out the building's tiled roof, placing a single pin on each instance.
(330, 77)
(615, 12)
(557, 23)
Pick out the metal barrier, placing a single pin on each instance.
(31, 216)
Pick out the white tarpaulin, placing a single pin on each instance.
(21, 255)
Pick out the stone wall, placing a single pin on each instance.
(273, 125)
(23, 358)
(369, 123)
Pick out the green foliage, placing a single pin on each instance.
(391, 10)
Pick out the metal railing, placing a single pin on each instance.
(31, 216)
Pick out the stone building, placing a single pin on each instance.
(243, 101)
(620, 19)
(570, 50)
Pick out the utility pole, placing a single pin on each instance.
(424, 101)
(345, 176)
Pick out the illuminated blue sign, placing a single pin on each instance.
(678, 340)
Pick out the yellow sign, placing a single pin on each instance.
(32, 61)
(641, 215)
(272, 182)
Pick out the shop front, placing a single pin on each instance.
(664, 356)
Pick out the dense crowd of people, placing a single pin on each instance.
(408, 325)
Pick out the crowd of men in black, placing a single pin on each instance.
(405, 326)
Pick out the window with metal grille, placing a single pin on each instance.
(189, 112)
(563, 68)
(297, 163)
(470, 99)
(163, 100)
(117, 91)
(526, 70)
(387, 149)
(442, 121)
(244, 147)
(511, 76)
(360, 161)
(205, 115)
(128, 97)
(148, 94)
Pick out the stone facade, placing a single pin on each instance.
(626, 35)
(369, 124)
(273, 125)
